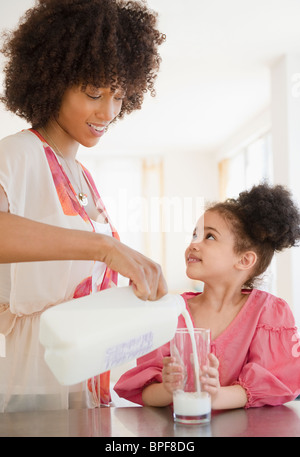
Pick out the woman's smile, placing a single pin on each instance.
(97, 130)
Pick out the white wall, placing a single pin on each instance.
(10, 123)
(285, 111)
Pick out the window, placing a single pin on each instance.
(249, 166)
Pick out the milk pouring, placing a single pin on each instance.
(90, 335)
(189, 324)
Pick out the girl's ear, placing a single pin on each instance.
(247, 260)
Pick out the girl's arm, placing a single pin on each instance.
(156, 395)
(227, 397)
(161, 394)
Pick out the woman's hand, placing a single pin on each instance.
(172, 375)
(145, 275)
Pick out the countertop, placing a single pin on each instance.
(267, 421)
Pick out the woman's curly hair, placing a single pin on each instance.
(264, 219)
(63, 43)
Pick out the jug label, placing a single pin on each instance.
(128, 350)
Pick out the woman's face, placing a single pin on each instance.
(84, 115)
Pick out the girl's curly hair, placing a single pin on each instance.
(62, 43)
(264, 219)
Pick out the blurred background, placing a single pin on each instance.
(226, 116)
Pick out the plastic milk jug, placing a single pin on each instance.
(90, 335)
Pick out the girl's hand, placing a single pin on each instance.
(172, 375)
(210, 376)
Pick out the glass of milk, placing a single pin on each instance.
(191, 347)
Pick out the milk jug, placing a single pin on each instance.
(92, 334)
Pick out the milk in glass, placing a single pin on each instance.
(190, 347)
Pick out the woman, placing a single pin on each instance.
(73, 67)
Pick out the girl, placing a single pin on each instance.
(73, 67)
(253, 361)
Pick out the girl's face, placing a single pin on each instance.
(210, 255)
(84, 115)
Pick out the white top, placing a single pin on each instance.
(28, 183)
(27, 289)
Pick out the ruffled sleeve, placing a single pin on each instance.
(148, 370)
(271, 375)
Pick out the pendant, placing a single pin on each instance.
(83, 199)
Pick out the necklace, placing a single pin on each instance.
(81, 196)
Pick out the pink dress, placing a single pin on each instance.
(260, 350)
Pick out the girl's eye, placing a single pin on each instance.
(194, 236)
(209, 236)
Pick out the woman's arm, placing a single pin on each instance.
(24, 240)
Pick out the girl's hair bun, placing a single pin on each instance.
(270, 215)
